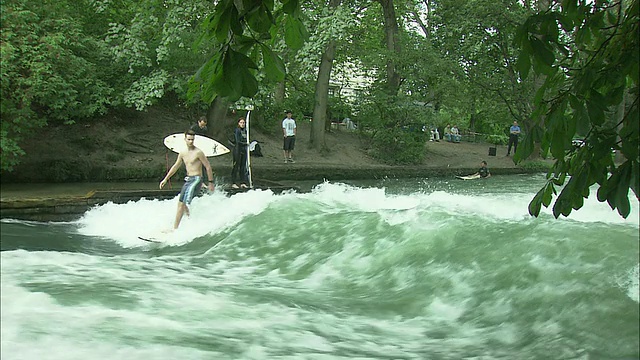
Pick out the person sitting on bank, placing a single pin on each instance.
(447, 132)
(200, 128)
(239, 171)
(455, 134)
(435, 135)
(483, 172)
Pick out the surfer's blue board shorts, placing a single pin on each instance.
(190, 188)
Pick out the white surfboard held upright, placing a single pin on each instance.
(209, 146)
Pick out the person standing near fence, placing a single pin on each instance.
(289, 134)
(514, 132)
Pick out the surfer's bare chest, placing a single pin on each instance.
(192, 162)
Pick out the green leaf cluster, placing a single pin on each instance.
(243, 30)
(588, 55)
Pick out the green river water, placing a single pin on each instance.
(385, 269)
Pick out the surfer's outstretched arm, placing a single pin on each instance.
(172, 171)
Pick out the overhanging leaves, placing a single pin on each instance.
(273, 65)
(295, 32)
(588, 68)
(242, 27)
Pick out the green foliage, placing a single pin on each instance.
(497, 139)
(339, 109)
(395, 131)
(151, 44)
(48, 72)
(535, 165)
(242, 30)
(589, 54)
(270, 114)
(478, 68)
(399, 146)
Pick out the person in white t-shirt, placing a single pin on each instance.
(289, 133)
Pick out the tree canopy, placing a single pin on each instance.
(564, 69)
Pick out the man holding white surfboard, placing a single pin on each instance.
(200, 128)
(194, 160)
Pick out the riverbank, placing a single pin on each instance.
(67, 202)
(129, 148)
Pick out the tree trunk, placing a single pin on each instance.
(279, 93)
(393, 47)
(474, 116)
(317, 139)
(322, 98)
(217, 121)
(543, 5)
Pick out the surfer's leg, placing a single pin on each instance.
(179, 213)
(190, 192)
(182, 198)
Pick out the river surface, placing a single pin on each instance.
(385, 269)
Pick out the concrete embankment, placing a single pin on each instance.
(67, 207)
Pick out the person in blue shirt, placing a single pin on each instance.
(514, 132)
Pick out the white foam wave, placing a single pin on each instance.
(214, 213)
(364, 199)
(629, 283)
(491, 204)
(209, 214)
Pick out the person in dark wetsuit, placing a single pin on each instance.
(200, 128)
(483, 171)
(239, 174)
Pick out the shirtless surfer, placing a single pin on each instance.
(193, 159)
